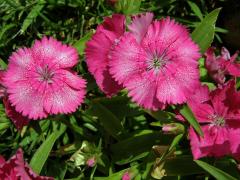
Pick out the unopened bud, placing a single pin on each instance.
(173, 128)
(91, 162)
(126, 176)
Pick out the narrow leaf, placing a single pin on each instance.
(189, 116)
(181, 165)
(41, 155)
(196, 10)
(3, 65)
(215, 172)
(138, 145)
(175, 142)
(204, 33)
(32, 15)
(109, 120)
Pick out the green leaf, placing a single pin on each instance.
(181, 165)
(137, 146)
(215, 172)
(204, 33)
(3, 65)
(32, 15)
(42, 153)
(4, 121)
(175, 142)
(81, 43)
(211, 86)
(189, 116)
(109, 120)
(196, 10)
(120, 106)
(128, 6)
(5, 29)
(57, 169)
(162, 116)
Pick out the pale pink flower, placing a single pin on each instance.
(219, 117)
(40, 82)
(15, 168)
(220, 66)
(97, 52)
(156, 61)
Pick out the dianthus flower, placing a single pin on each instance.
(220, 66)
(15, 168)
(219, 116)
(97, 52)
(39, 80)
(18, 120)
(156, 62)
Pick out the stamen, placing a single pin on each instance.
(45, 74)
(156, 63)
(218, 120)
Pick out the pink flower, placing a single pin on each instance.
(15, 168)
(219, 117)
(220, 66)
(97, 52)
(156, 61)
(2, 88)
(18, 120)
(126, 176)
(40, 82)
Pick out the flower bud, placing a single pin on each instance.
(173, 128)
(91, 162)
(126, 176)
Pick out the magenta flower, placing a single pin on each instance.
(220, 66)
(18, 120)
(156, 61)
(15, 168)
(219, 117)
(40, 82)
(2, 88)
(97, 52)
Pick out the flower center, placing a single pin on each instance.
(45, 74)
(156, 63)
(218, 121)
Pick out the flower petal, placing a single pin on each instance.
(140, 24)
(64, 100)
(115, 24)
(26, 100)
(214, 143)
(53, 53)
(98, 62)
(143, 89)
(127, 59)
